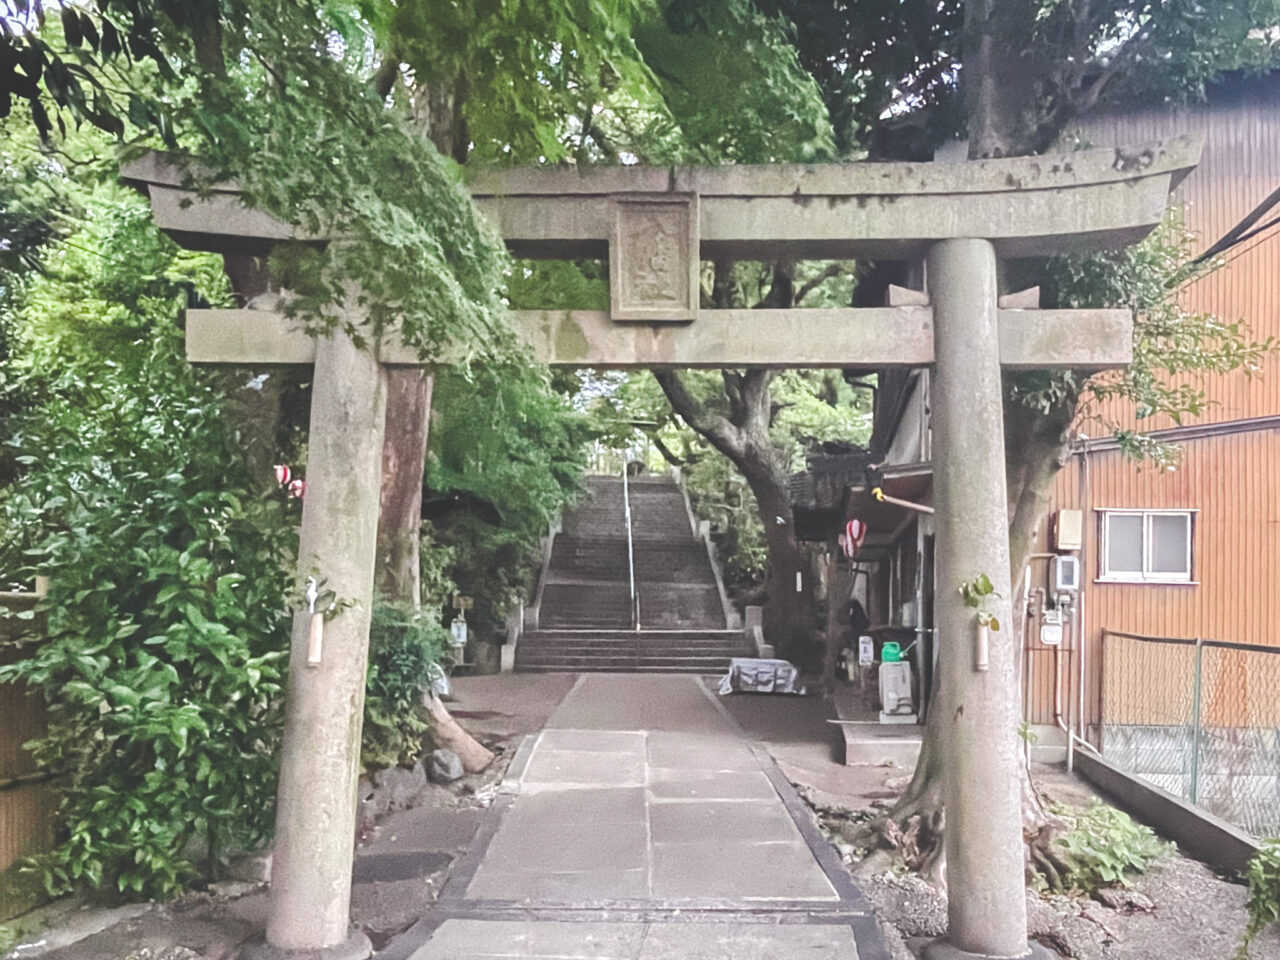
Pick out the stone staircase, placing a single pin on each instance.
(585, 614)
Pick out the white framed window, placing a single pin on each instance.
(1145, 546)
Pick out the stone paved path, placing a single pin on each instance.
(640, 824)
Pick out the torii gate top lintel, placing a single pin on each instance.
(1091, 199)
(1027, 206)
(655, 225)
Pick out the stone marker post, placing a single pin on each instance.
(987, 911)
(320, 760)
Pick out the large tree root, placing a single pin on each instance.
(448, 734)
(912, 831)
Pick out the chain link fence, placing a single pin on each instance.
(1200, 718)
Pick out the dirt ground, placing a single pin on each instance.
(1179, 908)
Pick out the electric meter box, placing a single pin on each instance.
(1068, 530)
(1051, 628)
(1066, 574)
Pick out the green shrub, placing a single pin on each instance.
(167, 633)
(167, 614)
(1264, 894)
(406, 649)
(1103, 846)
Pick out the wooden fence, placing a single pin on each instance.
(27, 801)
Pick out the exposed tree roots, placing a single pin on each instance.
(913, 831)
(447, 733)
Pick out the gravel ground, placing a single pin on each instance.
(1179, 908)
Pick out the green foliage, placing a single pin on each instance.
(976, 593)
(529, 75)
(869, 56)
(1264, 894)
(733, 90)
(888, 69)
(720, 495)
(1175, 349)
(1104, 846)
(275, 96)
(509, 440)
(558, 285)
(167, 629)
(407, 650)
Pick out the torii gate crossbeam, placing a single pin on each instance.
(655, 226)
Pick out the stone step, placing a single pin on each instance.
(589, 668)
(589, 576)
(653, 650)
(631, 637)
(624, 664)
(628, 635)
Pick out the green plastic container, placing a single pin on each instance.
(891, 652)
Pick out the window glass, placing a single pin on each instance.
(1169, 536)
(1124, 544)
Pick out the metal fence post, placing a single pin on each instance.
(1195, 722)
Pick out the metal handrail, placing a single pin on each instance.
(631, 552)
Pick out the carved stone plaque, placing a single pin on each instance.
(653, 259)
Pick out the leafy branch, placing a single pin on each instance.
(976, 593)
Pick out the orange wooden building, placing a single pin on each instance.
(1194, 552)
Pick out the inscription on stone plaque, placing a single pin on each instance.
(653, 259)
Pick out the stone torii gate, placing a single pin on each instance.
(654, 226)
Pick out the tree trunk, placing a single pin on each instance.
(743, 437)
(914, 826)
(788, 610)
(404, 457)
(1000, 83)
(404, 452)
(1037, 445)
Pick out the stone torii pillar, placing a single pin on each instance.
(324, 703)
(655, 225)
(986, 903)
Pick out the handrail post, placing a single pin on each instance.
(1194, 789)
(631, 556)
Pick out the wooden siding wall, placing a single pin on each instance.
(26, 809)
(1240, 167)
(1234, 483)
(1230, 479)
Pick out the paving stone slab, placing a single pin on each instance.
(667, 783)
(586, 767)
(550, 940)
(457, 939)
(749, 871)
(554, 847)
(559, 887)
(721, 821)
(680, 941)
(677, 751)
(604, 805)
(603, 741)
